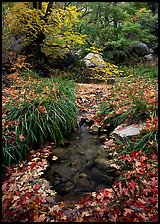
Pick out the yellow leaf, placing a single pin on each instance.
(21, 137)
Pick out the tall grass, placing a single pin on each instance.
(46, 112)
(141, 70)
(134, 101)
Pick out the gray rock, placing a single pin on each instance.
(83, 185)
(100, 186)
(75, 177)
(124, 131)
(149, 57)
(82, 175)
(103, 152)
(65, 172)
(141, 49)
(69, 186)
(100, 177)
(154, 48)
(102, 163)
(94, 60)
(59, 187)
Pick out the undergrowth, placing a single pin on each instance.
(38, 110)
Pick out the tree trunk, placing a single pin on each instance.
(35, 5)
(40, 5)
(38, 59)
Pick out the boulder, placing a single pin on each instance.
(141, 49)
(148, 57)
(123, 131)
(94, 60)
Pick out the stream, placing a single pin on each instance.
(82, 166)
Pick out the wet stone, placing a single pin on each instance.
(65, 172)
(81, 167)
(102, 163)
(69, 186)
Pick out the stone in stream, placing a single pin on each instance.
(69, 186)
(103, 152)
(65, 172)
(59, 187)
(100, 177)
(83, 185)
(100, 186)
(102, 163)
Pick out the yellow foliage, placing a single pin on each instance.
(62, 34)
(60, 29)
(94, 50)
(22, 21)
(107, 71)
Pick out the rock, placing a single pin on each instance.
(50, 200)
(60, 63)
(102, 138)
(124, 131)
(69, 186)
(82, 175)
(103, 152)
(148, 57)
(94, 60)
(94, 129)
(100, 177)
(75, 177)
(141, 49)
(64, 171)
(76, 161)
(59, 187)
(100, 186)
(154, 48)
(83, 185)
(61, 152)
(102, 163)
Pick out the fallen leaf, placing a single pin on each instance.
(36, 187)
(41, 218)
(127, 211)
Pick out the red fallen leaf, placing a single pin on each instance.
(17, 193)
(37, 200)
(32, 165)
(132, 184)
(36, 187)
(133, 154)
(153, 199)
(83, 109)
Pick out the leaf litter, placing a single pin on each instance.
(26, 197)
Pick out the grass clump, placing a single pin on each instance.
(134, 101)
(43, 109)
(141, 70)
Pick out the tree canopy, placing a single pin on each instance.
(55, 28)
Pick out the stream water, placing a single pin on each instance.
(83, 166)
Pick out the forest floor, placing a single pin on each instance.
(26, 197)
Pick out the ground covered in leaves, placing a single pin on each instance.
(133, 197)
